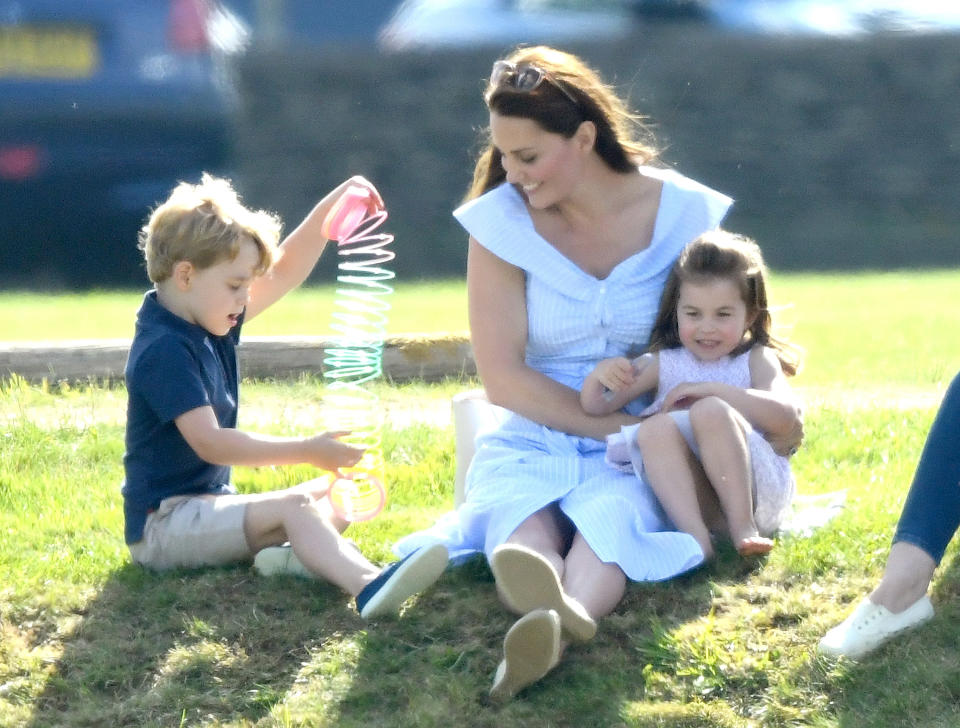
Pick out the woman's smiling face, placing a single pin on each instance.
(544, 165)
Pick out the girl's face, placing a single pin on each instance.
(711, 317)
(544, 165)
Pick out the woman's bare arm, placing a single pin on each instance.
(496, 292)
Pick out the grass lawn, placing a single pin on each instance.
(87, 639)
(415, 307)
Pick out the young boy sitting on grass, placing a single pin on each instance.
(216, 264)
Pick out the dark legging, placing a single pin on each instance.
(931, 514)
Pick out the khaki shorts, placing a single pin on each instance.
(192, 531)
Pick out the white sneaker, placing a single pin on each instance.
(274, 560)
(870, 626)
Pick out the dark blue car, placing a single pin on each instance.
(104, 106)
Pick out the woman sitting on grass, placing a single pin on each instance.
(573, 231)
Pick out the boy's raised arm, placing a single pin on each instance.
(301, 249)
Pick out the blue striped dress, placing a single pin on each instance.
(575, 320)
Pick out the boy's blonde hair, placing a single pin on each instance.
(204, 224)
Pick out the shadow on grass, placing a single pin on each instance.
(439, 671)
(171, 649)
(916, 676)
(225, 646)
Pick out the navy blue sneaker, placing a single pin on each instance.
(401, 580)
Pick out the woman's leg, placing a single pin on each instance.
(721, 438)
(597, 585)
(533, 570)
(529, 566)
(931, 513)
(548, 532)
(672, 472)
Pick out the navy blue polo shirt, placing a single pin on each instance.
(173, 367)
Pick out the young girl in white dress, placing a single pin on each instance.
(711, 353)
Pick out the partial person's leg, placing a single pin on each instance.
(725, 456)
(668, 469)
(906, 577)
(931, 513)
(871, 624)
(929, 520)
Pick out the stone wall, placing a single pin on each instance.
(841, 153)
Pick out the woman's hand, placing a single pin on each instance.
(787, 443)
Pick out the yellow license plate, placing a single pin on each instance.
(47, 52)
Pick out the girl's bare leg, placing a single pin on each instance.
(667, 463)
(725, 456)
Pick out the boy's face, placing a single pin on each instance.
(215, 297)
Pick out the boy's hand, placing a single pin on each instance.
(328, 452)
(375, 203)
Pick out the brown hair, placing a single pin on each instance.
(205, 224)
(733, 257)
(584, 97)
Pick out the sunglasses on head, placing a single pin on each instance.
(524, 77)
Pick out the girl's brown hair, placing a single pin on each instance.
(571, 93)
(729, 256)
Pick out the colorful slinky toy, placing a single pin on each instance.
(359, 321)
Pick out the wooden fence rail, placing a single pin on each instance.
(269, 357)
